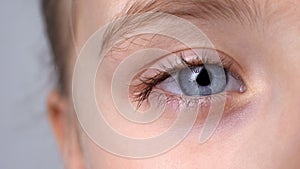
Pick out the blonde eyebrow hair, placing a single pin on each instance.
(244, 12)
(230, 10)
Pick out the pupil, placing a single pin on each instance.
(203, 78)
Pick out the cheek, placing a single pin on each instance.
(285, 105)
(186, 155)
(275, 136)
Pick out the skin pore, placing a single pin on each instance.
(260, 126)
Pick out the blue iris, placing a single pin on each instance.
(202, 80)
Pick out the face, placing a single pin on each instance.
(247, 65)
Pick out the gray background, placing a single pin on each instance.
(26, 140)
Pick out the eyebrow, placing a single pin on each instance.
(244, 12)
(229, 10)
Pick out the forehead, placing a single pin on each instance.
(90, 15)
(110, 8)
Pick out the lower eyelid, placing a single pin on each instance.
(175, 103)
(232, 102)
(182, 100)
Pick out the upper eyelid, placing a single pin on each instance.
(225, 61)
(222, 57)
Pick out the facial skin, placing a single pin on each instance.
(258, 130)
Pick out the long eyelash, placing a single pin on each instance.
(145, 85)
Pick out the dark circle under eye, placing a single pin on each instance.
(202, 80)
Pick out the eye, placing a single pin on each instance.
(201, 80)
(187, 74)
